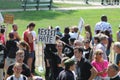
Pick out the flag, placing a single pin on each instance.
(1, 18)
(81, 24)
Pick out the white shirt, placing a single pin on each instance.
(14, 78)
(102, 26)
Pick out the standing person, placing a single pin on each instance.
(103, 25)
(66, 35)
(100, 64)
(103, 45)
(118, 35)
(87, 50)
(2, 35)
(84, 69)
(17, 69)
(116, 49)
(54, 60)
(28, 37)
(11, 46)
(67, 73)
(2, 59)
(113, 72)
(14, 31)
(88, 32)
(19, 59)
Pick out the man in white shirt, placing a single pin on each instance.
(103, 25)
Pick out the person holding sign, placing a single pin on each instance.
(28, 37)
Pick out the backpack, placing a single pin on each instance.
(24, 78)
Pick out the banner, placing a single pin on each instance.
(1, 18)
(8, 18)
(46, 36)
(81, 24)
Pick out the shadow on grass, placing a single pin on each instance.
(38, 15)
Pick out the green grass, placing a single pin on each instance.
(65, 18)
(16, 4)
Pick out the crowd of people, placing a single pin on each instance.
(72, 57)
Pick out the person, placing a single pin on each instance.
(2, 35)
(87, 50)
(67, 73)
(66, 35)
(58, 32)
(103, 45)
(88, 32)
(11, 46)
(113, 72)
(25, 47)
(2, 59)
(28, 37)
(14, 31)
(103, 25)
(116, 49)
(25, 69)
(84, 69)
(100, 64)
(118, 34)
(55, 60)
(17, 69)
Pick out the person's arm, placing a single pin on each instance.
(93, 73)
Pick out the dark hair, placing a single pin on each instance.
(88, 29)
(31, 24)
(66, 30)
(11, 35)
(114, 66)
(68, 63)
(79, 49)
(96, 37)
(104, 18)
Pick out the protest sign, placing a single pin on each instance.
(8, 18)
(81, 25)
(46, 36)
(1, 18)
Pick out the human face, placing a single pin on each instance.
(15, 28)
(18, 70)
(20, 58)
(99, 55)
(73, 67)
(116, 49)
(59, 47)
(111, 71)
(77, 54)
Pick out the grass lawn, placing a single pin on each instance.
(65, 18)
(16, 4)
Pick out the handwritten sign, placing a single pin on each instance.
(1, 18)
(46, 36)
(81, 25)
(8, 18)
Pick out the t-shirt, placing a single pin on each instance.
(66, 75)
(100, 66)
(14, 78)
(25, 70)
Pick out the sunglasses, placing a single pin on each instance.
(100, 54)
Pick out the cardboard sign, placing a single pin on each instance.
(46, 36)
(81, 25)
(1, 18)
(8, 18)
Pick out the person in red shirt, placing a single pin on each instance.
(28, 37)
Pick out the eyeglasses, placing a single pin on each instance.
(100, 54)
